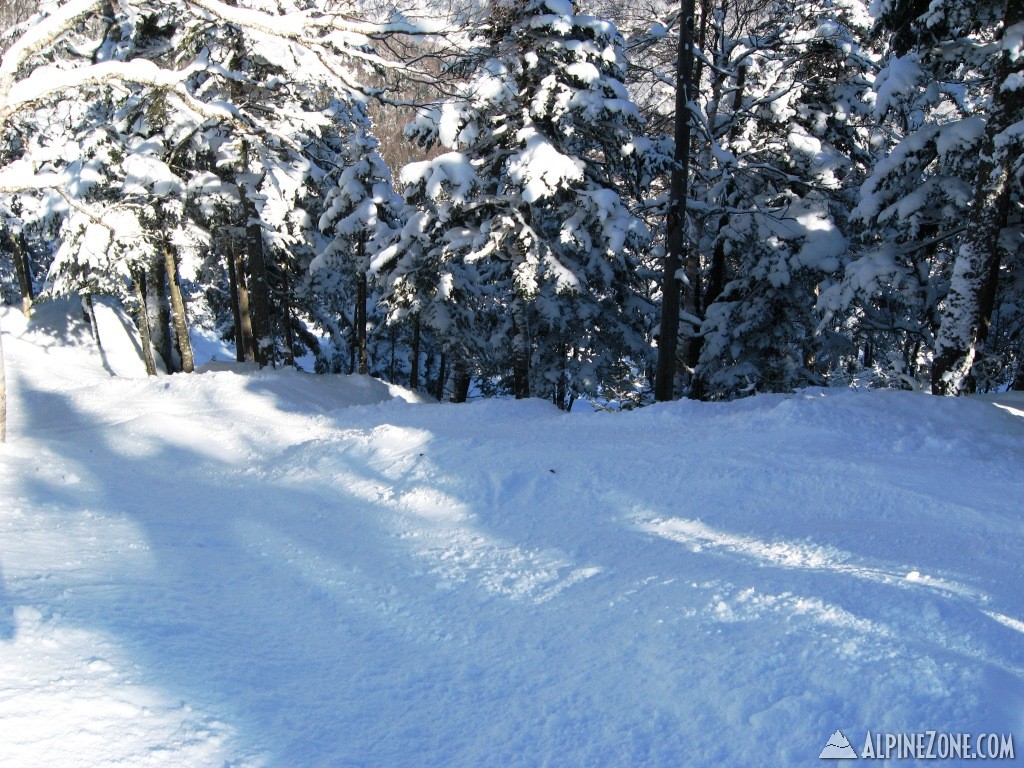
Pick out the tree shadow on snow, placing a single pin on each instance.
(7, 627)
(279, 608)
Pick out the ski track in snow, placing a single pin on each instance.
(270, 569)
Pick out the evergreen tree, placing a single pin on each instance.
(225, 116)
(360, 211)
(780, 152)
(966, 57)
(532, 247)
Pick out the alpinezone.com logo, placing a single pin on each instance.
(925, 745)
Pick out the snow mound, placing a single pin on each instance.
(62, 322)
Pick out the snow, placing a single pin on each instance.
(561, 7)
(38, 37)
(451, 172)
(897, 82)
(48, 81)
(267, 568)
(539, 168)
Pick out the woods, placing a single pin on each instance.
(621, 203)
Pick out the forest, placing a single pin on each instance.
(624, 202)
(252, 250)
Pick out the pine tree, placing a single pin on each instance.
(360, 211)
(968, 55)
(778, 157)
(228, 113)
(531, 250)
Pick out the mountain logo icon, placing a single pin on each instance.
(838, 748)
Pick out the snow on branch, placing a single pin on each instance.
(19, 177)
(308, 29)
(308, 25)
(38, 37)
(49, 81)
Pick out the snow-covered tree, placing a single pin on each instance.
(524, 245)
(956, 70)
(228, 99)
(778, 151)
(911, 210)
(360, 210)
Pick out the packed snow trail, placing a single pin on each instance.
(274, 569)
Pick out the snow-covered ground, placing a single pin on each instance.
(241, 568)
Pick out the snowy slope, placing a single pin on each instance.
(268, 568)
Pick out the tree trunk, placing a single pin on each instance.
(987, 295)
(178, 319)
(668, 337)
(967, 314)
(245, 316)
(964, 318)
(414, 374)
(520, 351)
(259, 287)
(715, 284)
(3, 392)
(158, 310)
(89, 314)
(138, 277)
(442, 372)
(361, 322)
(19, 251)
(259, 283)
(560, 397)
(393, 335)
(236, 313)
(286, 307)
(460, 382)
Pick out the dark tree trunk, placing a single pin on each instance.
(19, 252)
(560, 396)
(414, 374)
(286, 307)
(668, 336)
(442, 374)
(89, 315)
(178, 319)
(158, 310)
(987, 295)
(520, 351)
(968, 311)
(139, 278)
(236, 314)
(244, 314)
(361, 323)
(258, 284)
(393, 335)
(461, 380)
